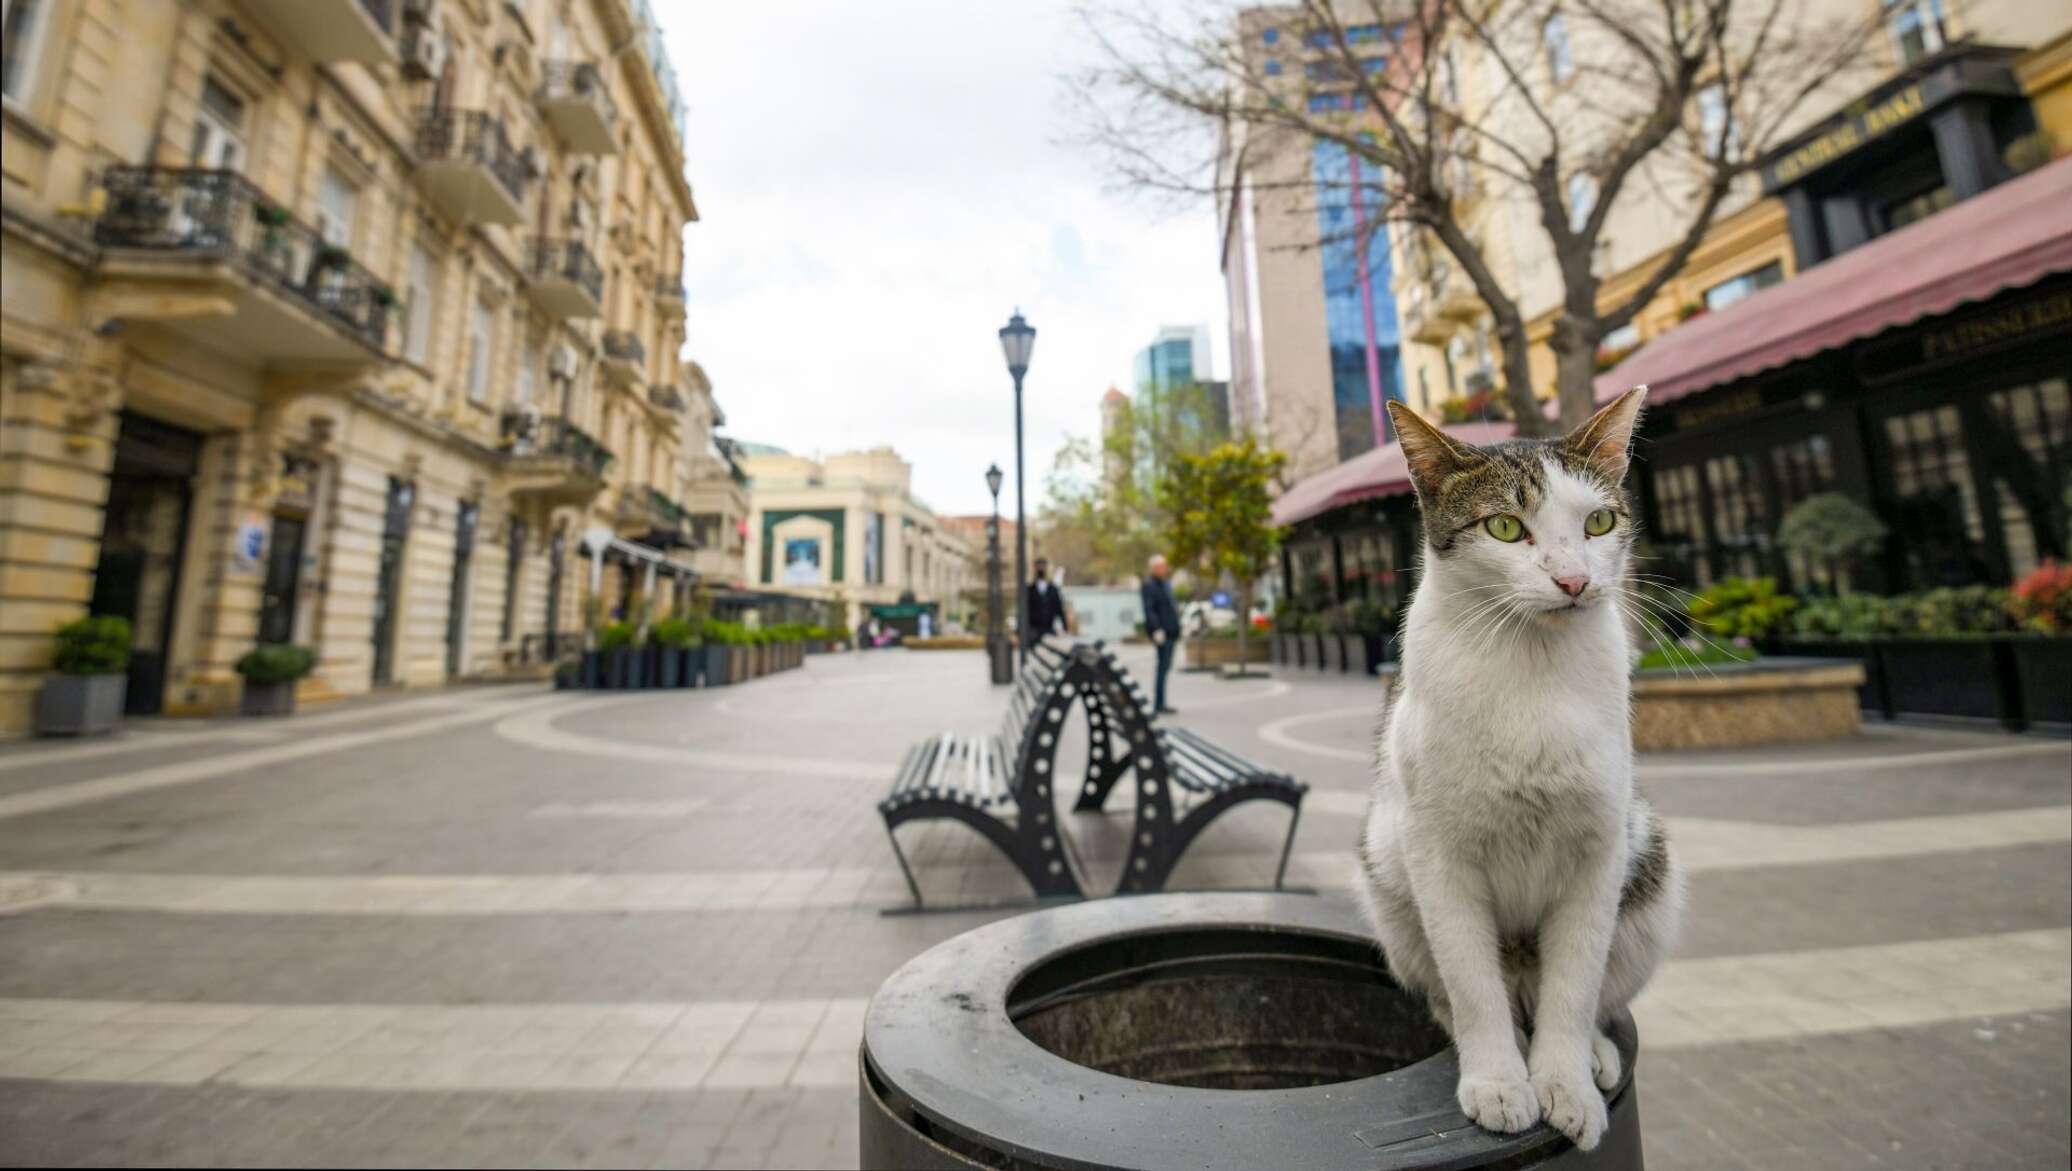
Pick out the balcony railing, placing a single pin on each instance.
(624, 346)
(579, 102)
(471, 136)
(526, 434)
(567, 262)
(220, 214)
(669, 510)
(666, 397)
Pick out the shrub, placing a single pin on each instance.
(1691, 652)
(1848, 616)
(93, 646)
(725, 633)
(671, 633)
(2042, 600)
(1742, 607)
(1373, 618)
(1953, 610)
(615, 636)
(276, 662)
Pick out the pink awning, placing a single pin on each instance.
(1381, 471)
(2005, 238)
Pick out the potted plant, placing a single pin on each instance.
(270, 671)
(2042, 604)
(1374, 625)
(1331, 640)
(621, 662)
(567, 674)
(84, 697)
(671, 640)
(719, 652)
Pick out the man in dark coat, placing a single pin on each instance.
(1046, 606)
(1161, 622)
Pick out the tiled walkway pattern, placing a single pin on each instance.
(499, 926)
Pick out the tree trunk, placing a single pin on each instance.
(1575, 374)
(1525, 407)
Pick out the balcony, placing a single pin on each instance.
(669, 296)
(564, 279)
(334, 30)
(466, 165)
(551, 459)
(667, 398)
(1420, 323)
(209, 257)
(625, 359)
(1453, 295)
(671, 526)
(576, 101)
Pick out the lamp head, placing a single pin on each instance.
(1017, 341)
(993, 480)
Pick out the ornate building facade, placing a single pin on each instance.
(348, 323)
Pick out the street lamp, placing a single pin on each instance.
(1017, 340)
(997, 660)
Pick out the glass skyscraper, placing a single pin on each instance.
(1359, 309)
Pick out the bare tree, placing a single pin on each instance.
(1452, 111)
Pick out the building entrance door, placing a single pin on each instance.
(457, 590)
(142, 541)
(388, 586)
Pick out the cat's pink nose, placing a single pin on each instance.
(1573, 586)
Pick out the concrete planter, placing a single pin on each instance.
(1211, 653)
(668, 666)
(2015, 680)
(80, 705)
(719, 664)
(1769, 701)
(267, 699)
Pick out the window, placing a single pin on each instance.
(219, 129)
(420, 294)
(1321, 103)
(1273, 69)
(1271, 36)
(1727, 292)
(337, 204)
(1718, 136)
(481, 339)
(1560, 62)
(1915, 26)
(21, 36)
(1582, 196)
(528, 375)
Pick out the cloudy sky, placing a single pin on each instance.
(881, 185)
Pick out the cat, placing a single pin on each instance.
(1512, 873)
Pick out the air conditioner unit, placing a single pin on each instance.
(562, 362)
(424, 54)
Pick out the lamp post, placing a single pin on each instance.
(1017, 340)
(998, 660)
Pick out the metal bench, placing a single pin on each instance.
(1000, 784)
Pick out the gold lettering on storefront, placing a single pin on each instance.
(1879, 119)
(1992, 329)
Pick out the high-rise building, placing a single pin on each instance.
(1176, 358)
(1315, 343)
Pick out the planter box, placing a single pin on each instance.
(590, 673)
(1217, 652)
(267, 699)
(1373, 651)
(625, 669)
(80, 705)
(719, 663)
(2043, 669)
(1333, 656)
(668, 666)
(1770, 701)
(1949, 677)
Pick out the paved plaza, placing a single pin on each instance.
(508, 926)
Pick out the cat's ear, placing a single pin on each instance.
(1431, 455)
(1606, 440)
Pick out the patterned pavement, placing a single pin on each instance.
(499, 926)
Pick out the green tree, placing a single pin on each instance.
(1220, 505)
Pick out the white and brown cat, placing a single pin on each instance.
(1512, 872)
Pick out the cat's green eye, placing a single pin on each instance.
(1505, 528)
(1599, 523)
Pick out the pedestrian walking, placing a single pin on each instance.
(1162, 623)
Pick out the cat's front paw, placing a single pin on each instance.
(1571, 1103)
(1604, 1062)
(1505, 1105)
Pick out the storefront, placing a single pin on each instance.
(1926, 373)
(143, 542)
